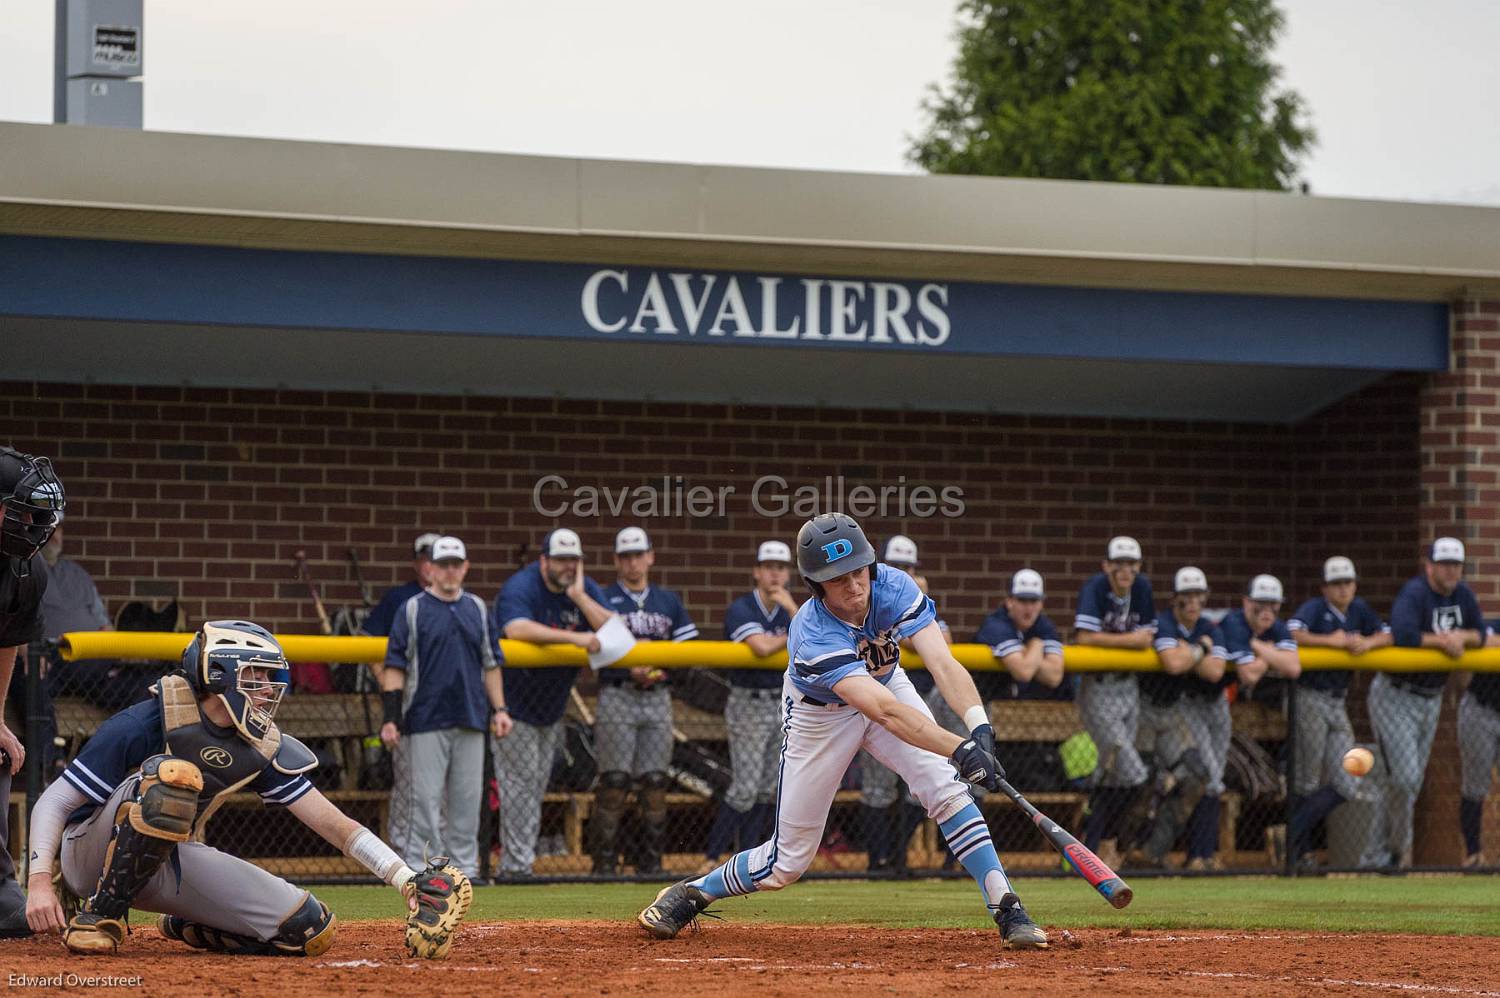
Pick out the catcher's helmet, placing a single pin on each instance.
(217, 663)
(31, 503)
(830, 545)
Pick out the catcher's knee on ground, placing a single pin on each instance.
(147, 828)
(308, 931)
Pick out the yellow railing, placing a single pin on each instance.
(168, 647)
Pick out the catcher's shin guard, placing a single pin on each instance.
(307, 931)
(147, 828)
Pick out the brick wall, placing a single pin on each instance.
(213, 490)
(1460, 496)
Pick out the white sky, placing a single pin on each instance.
(1405, 97)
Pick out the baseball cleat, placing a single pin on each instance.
(673, 909)
(1017, 930)
(88, 932)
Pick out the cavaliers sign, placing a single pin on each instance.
(692, 305)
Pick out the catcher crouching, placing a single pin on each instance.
(127, 820)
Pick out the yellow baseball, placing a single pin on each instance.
(1357, 761)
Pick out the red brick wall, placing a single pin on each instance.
(1461, 496)
(214, 489)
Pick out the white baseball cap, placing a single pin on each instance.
(1447, 549)
(1339, 569)
(900, 550)
(631, 539)
(1265, 589)
(422, 546)
(1123, 549)
(1027, 584)
(773, 551)
(1190, 580)
(562, 543)
(448, 549)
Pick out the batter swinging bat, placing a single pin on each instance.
(1100, 877)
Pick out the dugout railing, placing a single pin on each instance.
(873, 828)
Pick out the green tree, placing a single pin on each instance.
(1143, 91)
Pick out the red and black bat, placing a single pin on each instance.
(303, 573)
(1083, 861)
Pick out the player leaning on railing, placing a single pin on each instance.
(130, 811)
(845, 690)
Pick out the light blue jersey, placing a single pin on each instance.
(822, 650)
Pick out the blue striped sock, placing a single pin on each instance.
(969, 838)
(730, 880)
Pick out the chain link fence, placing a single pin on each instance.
(654, 774)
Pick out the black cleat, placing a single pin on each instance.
(674, 908)
(1016, 927)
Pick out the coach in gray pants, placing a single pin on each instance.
(442, 689)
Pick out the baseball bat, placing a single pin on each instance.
(359, 577)
(1082, 859)
(312, 587)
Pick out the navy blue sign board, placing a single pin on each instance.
(205, 285)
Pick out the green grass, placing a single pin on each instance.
(1432, 905)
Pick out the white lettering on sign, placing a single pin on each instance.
(770, 308)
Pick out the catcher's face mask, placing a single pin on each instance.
(253, 683)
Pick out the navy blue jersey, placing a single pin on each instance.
(540, 696)
(823, 650)
(652, 615)
(115, 752)
(746, 617)
(1236, 631)
(1418, 611)
(444, 647)
(377, 622)
(1318, 616)
(1099, 609)
(1000, 633)
(1158, 686)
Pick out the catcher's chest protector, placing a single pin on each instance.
(228, 762)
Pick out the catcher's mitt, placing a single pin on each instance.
(442, 895)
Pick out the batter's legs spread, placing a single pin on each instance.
(820, 743)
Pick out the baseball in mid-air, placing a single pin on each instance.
(1357, 761)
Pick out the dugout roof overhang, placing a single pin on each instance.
(141, 257)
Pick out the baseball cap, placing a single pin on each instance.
(1447, 549)
(773, 551)
(1192, 580)
(1123, 549)
(1339, 569)
(1265, 589)
(1027, 584)
(449, 549)
(900, 550)
(422, 546)
(562, 543)
(631, 539)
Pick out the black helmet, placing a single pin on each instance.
(830, 545)
(31, 503)
(214, 663)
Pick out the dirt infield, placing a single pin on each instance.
(610, 958)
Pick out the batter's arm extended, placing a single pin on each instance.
(907, 723)
(952, 679)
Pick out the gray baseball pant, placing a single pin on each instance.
(435, 796)
(523, 767)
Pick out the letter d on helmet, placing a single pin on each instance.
(830, 545)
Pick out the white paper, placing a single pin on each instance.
(615, 640)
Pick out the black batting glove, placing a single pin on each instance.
(985, 736)
(977, 767)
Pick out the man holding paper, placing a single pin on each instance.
(550, 601)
